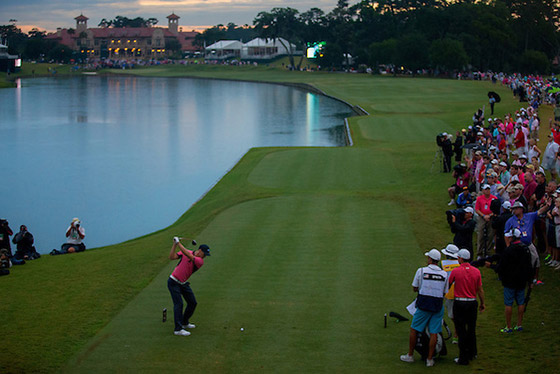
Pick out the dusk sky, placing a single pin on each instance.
(195, 14)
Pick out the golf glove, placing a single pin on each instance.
(176, 239)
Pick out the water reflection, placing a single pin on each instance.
(129, 155)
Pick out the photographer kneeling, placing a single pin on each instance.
(24, 242)
(75, 233)
(462, 225)
(5, 262)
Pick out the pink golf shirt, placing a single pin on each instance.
(184, 268)
(467, 280)
(483, 203)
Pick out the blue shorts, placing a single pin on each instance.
(422, 318)
(511, 294)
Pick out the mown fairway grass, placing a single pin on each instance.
(311, 246)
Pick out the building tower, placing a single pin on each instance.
(81, 24)
(173, 23)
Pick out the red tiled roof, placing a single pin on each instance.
(128, 32)
(173, 16)
(64, 38)
(186, 38)
(81, 17)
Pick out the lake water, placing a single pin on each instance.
(130, 155)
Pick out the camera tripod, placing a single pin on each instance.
(438, 157)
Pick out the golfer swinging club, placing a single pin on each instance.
(189, 262)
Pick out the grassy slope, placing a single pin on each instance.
(311, 247)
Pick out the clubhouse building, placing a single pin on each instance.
(125, 42)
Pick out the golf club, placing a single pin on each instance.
(399, 317)
(192, 240)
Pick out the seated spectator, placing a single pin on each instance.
(465, 198)
(5, 262)
(24, 242)
(75, 234)
(5, 233)
(462, 179)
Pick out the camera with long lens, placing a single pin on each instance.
(440, 138)
(459, 215)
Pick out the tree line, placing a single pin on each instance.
(497, 35)
(441, 35)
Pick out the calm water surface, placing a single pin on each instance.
(130, 155)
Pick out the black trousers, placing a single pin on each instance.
(178, 292)
(465, 314)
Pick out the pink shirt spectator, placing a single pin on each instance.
(483, 204)
(529, 189)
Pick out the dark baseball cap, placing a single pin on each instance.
(205, 249)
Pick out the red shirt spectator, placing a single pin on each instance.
(482, 204)
(467, 281)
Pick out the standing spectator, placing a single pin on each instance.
(499, 223)
(431, 284)
(554, 236)
(549, 158)
(484, 230)
(5, 233)
(534, 151)
(448, 265)
(515, 272)
(458, 145)
(504, 174)
(463, 227)
(525, 222)
(529, 191)
(447, 148)
(468, 285)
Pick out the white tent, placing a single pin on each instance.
(224, 49)
(266, 48)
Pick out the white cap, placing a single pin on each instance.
(506, 205)
(485, 186)
(513, 232)
(469, 210)
(464, 254)
(433, 254)
(503, 164)
(451, 250)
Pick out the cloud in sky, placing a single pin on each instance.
(50, 14)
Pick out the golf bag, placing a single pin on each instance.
(423, 343)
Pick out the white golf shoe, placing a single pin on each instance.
(407, 358)
(189, 326)
(182, 333)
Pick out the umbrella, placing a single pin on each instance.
(553, 89)
(474, 146)
(495, 96)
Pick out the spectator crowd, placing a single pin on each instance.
(506, 192)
